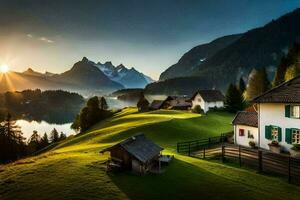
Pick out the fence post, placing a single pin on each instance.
(204, 153)
(222, 138)
(189, 149)
(289, 170)
(223, 153)
(209, 139)
(240, 157)
(260, 169)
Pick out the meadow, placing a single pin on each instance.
(75, 169)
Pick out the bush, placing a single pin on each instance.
(252, 144)
(197, 109)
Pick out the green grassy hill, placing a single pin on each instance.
(76, 170)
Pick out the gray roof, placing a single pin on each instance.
(210, 95)
(246, 118)
(288, 92)
(140, 147)
(156, 104)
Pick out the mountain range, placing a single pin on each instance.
(130, 78)
(227, 59)
(85, 76)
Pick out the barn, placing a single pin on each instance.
(136, 153)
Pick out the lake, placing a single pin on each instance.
(27, 127)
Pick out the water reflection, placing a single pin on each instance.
(27, 127)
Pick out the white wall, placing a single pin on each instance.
(198, 100)
(274, 114)
(244, 140)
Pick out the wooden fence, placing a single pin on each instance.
(262, 160)
(195, 145)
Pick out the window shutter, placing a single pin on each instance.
(268, 134)
(287, 111)
(288, 135)
(279, 135)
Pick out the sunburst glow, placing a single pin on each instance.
(4, 68)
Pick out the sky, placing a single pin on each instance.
(51, 35)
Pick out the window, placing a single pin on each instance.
(199, 99)
(274, 133)
(295, 136)
(241, 132)
(295, 111)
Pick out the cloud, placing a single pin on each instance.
(44, 39)
(29, 35)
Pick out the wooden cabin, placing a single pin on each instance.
(136, 153)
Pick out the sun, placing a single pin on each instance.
(4, 68)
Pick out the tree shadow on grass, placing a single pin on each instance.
(181, 180)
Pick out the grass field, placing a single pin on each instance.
(75, 169)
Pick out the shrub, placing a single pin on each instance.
(252, 144)
(198, 109)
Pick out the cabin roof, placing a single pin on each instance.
(156, 104)
(288, 92)
(210, 95)
(246, 118)
(140, 147)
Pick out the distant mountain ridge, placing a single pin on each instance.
(257, 48)
(82, 77)
(130, 78)
(196, 56)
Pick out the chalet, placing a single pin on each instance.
(136, 153)
(279, 116)
(208, 99)
(176, 103)
(245, 128)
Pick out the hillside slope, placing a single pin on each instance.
(76, 170)
(196, 56)
(257, 48)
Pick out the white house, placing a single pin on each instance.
(245, 128)
(207, 99)
(279, 115)
(278, 118)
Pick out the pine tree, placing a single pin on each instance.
(103, 104)
(258, 83)
(234, 100)
(289, 66)
(12, 142)
(143, 104)
(45, 140)
(34, 142)
(280, 72)
(62, 136)
(242, 85)
(54, 136)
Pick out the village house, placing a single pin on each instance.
(176, 103)
(136, 153)
(172, 103)
(208, 99)
(279, 115)
(278, 119)
(245, 127)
